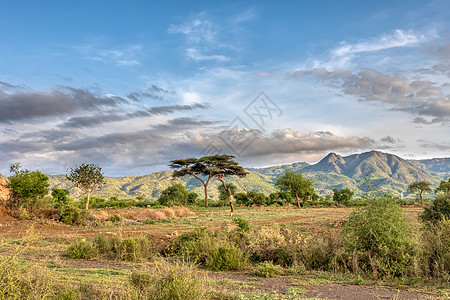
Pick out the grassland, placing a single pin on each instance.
(42, 246)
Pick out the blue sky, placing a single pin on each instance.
(133, 85)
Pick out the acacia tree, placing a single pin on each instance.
(420, 187)
(208, 167)
(298, 186)
(86, 177)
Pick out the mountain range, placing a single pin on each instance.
(388, 172)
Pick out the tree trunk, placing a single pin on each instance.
(420, 196)
(87, 201)
(206, 195)
(231, 201)
(303, 202)
(298, 200)
(229, 194)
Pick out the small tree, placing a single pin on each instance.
(223, 194)
(256, 198)
(86, 177)
(444, 186)
(298, 186)
(26, 187)
(420, 187)
(60, 195)
(343, 196)
(175, 194)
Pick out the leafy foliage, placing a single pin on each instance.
(86, 177)
(25, 188)
(298, 186)
(344, 196)
(215, 166)
(439, 209)
(420, 187)
(444, 186)
(223, 194)
(60, 195)
(176, 194)
(381, 238)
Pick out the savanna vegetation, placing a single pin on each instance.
(185, 247)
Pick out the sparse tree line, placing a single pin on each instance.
(29, 189)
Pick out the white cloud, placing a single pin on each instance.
(399, 38)
(194, 54)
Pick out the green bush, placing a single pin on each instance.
(380, 239)
(267, 269)
(225, 257)
(25, 189)
(296, 270)
(438, 210)
(166, 281)
(176, 194)
(215, 250)
(70, 214)
(131, 249)
(81, 249)
(436, 249)
(117, 247)
(242, 224)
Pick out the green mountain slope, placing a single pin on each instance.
(438, 167)
(386, 171)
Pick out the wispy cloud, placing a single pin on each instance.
(123, 56)
(194, 54)
(399, 38)
(196, 30)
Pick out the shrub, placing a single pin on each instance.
(70, 214)
(242, 224)
(320, 252)
(131, 249)
(264, 244)
(81, 249)
(19, 280)
(166, 281)
(211, 249)
(267, 269)
(438, 210)
(225, 257)
(296, 270)
(60, 197)
(115, 218)
(192, 198)
(380, 237)
(436, 245)
(117, 247)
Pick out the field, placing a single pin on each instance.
(42, 246)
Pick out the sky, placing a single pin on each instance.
(132, 85)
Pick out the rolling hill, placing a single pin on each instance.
(386, 171)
